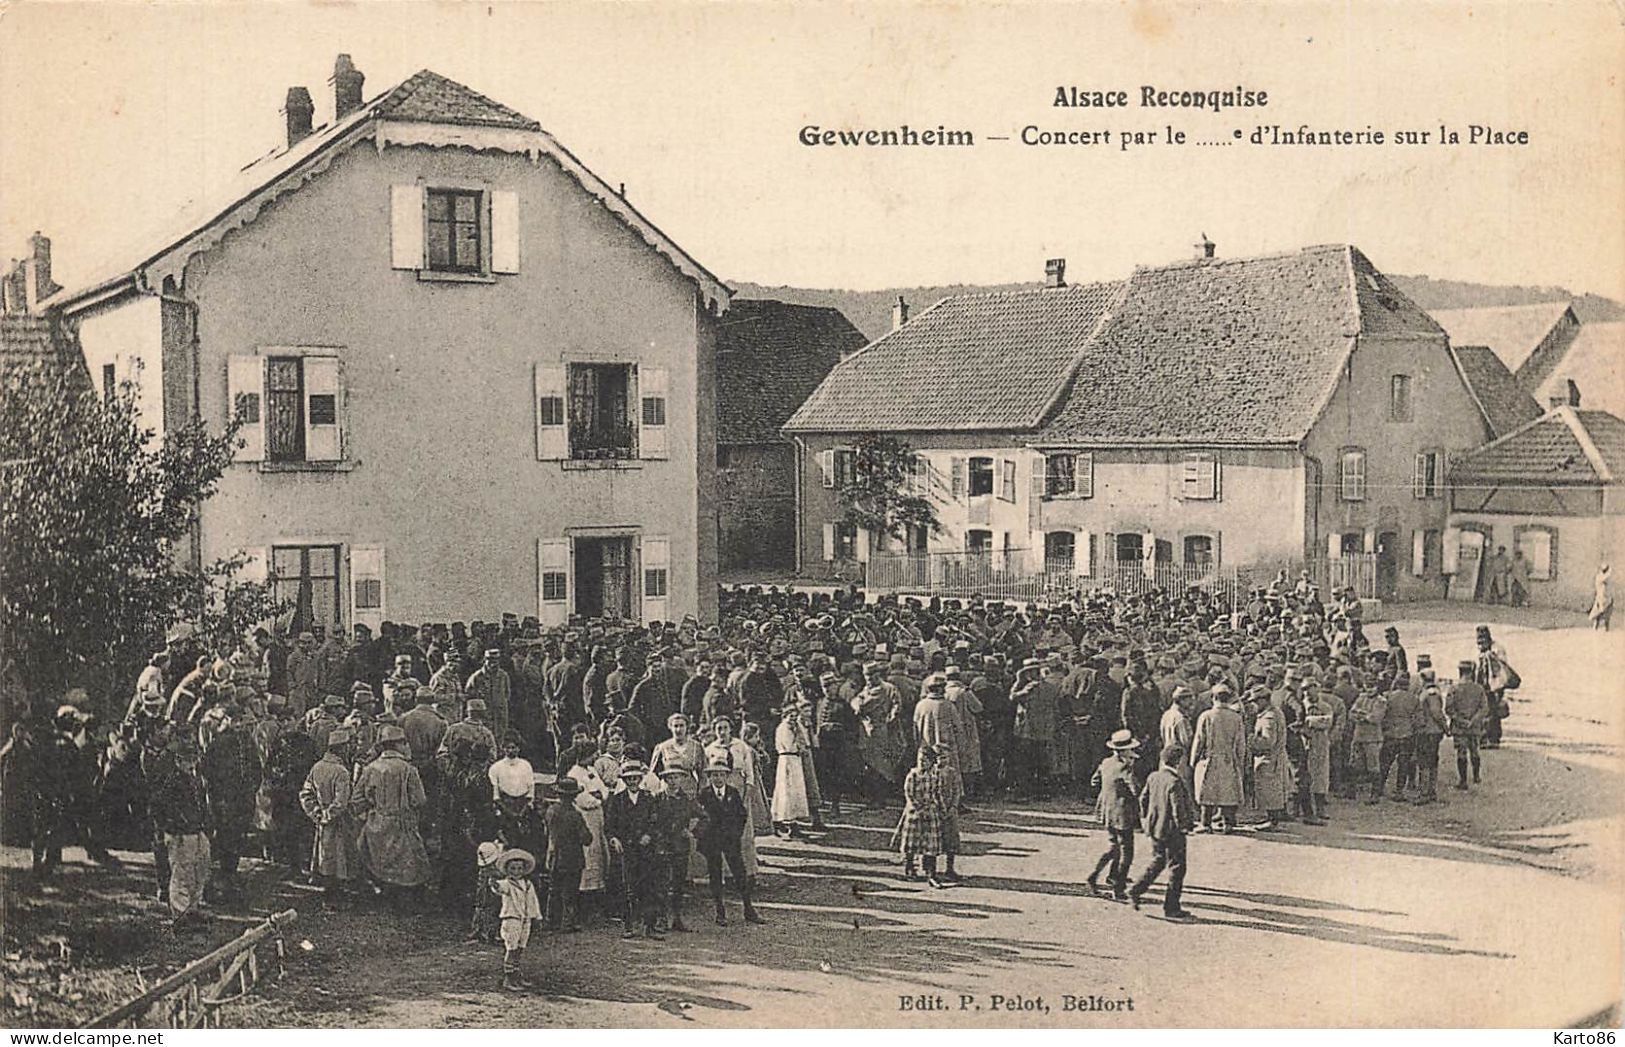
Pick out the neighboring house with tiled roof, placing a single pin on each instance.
(1551, 493)
(474, 378)
(770, 355)
(1523, 336)
(1207, 412)
(1505, 403)
(1595, 362)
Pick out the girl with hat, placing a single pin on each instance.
(919, 830)
(519, 908)
(790, 800)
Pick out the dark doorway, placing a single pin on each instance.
(603, 577)
(1387, 565)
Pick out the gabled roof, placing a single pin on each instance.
(1506, 405)
(1594, 361)
(405, 113)
(1512, 331)
(1229, 351)
(1563, 446)
(770, 356)
(978, 361)
(1209, 350)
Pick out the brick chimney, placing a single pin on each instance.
(1205, 248)
(1565, 395)
(347, 82)
(1055, 272)
(899, 313)
(13, 292)
(40, 284)
(299, 110)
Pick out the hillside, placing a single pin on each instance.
(871, 311)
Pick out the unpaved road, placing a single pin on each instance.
(1501, 906)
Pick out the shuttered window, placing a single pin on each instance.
(1200, 477)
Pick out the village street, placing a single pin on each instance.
(1501, 906)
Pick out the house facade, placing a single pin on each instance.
(1250, 413)
(471, 377)
(770, 356)
(1552, 490)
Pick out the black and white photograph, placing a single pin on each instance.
(909, 516)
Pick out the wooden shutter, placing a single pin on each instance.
(1083, 554)
(1334, 545)
(957, 481)
(1419, 476)
(552, 430)
(652, 417)
(245, 396)
(1007, 480)
(366, 582)
(1217, 541)
(1083, 472)
(829, 541)
(656, 597)
(1370, 539)
(826, 466)
(504, 231)
(323, 431)
(406, 226)
(862, 544)
(552, 557)
(1201, 477)
(1418, 552)
(1035, 497)
(1450, 553)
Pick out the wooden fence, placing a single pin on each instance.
(1012, 575)
(191, 997)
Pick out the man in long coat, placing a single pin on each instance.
(490, 682)
(389, 797)
(287, 768)
(1218, 751)
(1269, 759)
(231, 767)
(325, 798)
(877, 707)
(1036, 699)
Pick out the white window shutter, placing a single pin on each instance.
(1419, 476)
(1217, 541)
(652, 383)
(1370, 539)
(1418, 552)
(958, 478)
(367, 566)
(552, 557)
(829, 541)
(1450, 562)
(1035, 497)
(1148, 555)
(406, 226)
(552, 432)
(1334, 545)
(1083, 470)
(826, 466)
(863, 544)
(1216, 478)
(1188, 478)
(1083, 554)
(323, 440)
(656, 555)
(504, 231)
(245, 396)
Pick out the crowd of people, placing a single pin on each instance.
(595, 771)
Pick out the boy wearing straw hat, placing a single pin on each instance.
(519, 907)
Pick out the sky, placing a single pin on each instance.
(114, 115)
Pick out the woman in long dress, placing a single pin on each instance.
(790, 783)
(743, 777)
(1602, 602)
(590, 802)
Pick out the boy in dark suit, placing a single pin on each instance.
(632, 822)
(724, 811)
(1169, 813)
(567, 840)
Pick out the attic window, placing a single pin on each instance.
(455, 234)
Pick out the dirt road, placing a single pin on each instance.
(1501, 906)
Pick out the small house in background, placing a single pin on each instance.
(770, 356)
(1552, 489)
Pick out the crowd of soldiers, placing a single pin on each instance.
(412, 764)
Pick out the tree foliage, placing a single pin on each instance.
(96, 523)
(880, 492)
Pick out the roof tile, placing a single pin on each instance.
(770, 356)
(1504, 400)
